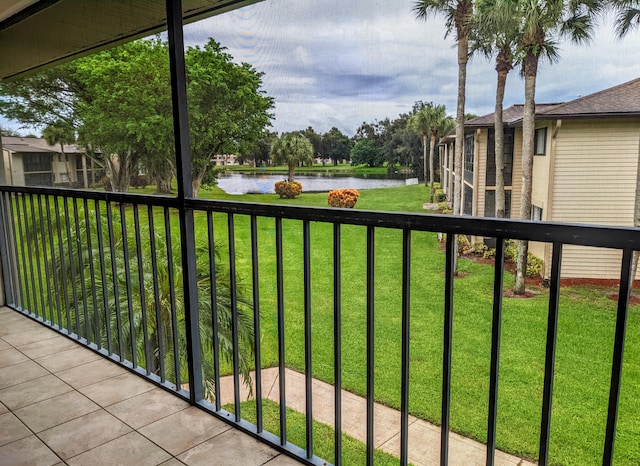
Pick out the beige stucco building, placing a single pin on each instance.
(585, 170)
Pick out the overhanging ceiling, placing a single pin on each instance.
(34, 35)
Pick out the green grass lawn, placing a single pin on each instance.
(584, 347)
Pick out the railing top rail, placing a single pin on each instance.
(576, 234)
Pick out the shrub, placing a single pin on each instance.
(343, 197)
(439, 196)
(288, 189)
(534, 264)
(138, 181)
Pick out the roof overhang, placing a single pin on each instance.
(37, 34)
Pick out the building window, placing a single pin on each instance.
(468, 158)
(536, 213)
(540, 141)
(490, 203)
(508, 157)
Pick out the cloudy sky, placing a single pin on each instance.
(341, 62)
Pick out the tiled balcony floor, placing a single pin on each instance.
(61, 403)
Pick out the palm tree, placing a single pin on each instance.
(60, 133)
(542, 23)
(458, 14)
(496, 30)
(292, 149)
(628, 15)
(155, 338)
(430, 119)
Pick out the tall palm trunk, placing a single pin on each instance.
(503, 66)
(528, 131)
(463, 52)
(424, 156)
(292, 169)
(431, 177)
(66, 163)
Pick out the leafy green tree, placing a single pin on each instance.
(366, 152)
(542, 23)
(260, 153)
(292, 149)
(228, 110)
(458, 15)
(124, 109)
(496, 32)
(316, 141)
(62, 134)
(627, 15)
(335, 145)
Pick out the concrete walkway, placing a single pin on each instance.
(424, 438)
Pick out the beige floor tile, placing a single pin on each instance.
(132, 448)
(33, 391)
(4, 345)
(11, 356)
(11, 429)
(67, 359)
(23, 337)
(116, 389)
(28, 451)
(172, 462)
(3, 409)
(228, 449)
(147, 407)
(183, 430)
(91, 372)
(53, 345)
(22, 372)
(283, 460)
(83, 433)
(55, 411)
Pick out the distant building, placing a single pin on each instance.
(33, 162)
(225, 159)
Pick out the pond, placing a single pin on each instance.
(245, 183)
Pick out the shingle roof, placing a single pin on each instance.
(622, 100)
(16, 144)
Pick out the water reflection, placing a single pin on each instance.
(241, 183)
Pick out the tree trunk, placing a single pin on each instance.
(85, 175)
(292, 169)
(431, 175)
(463, 54)
(636, 221)
(528, 131)
(500, 206)
(196, 181)
(163, 185)
(424, 158)
(66, 163)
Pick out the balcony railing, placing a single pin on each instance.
(106, 270)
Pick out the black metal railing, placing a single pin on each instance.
(106, 270)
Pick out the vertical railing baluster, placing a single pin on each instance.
(45, 260)
(172, 300)
(308, 369)
(5, 254)
(63, 269)
(24, 288)
(255, 276)
(103, 277)
(143, 300)
(550, 353)
(36, 247)
(447, 345)
(15, 253)
(54, 274)
(406, 344)
(94, 299)
(81, 272)
(626, 280)
(114, 277)
(337, 343)
(234, 315)
(25, 239)
(215, 323)
(159, 330)
(495, 351)
(127, 275)
(370, 342)
(281, 361)
(74, 292)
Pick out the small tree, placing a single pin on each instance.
(62, 134)
(292, 150)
